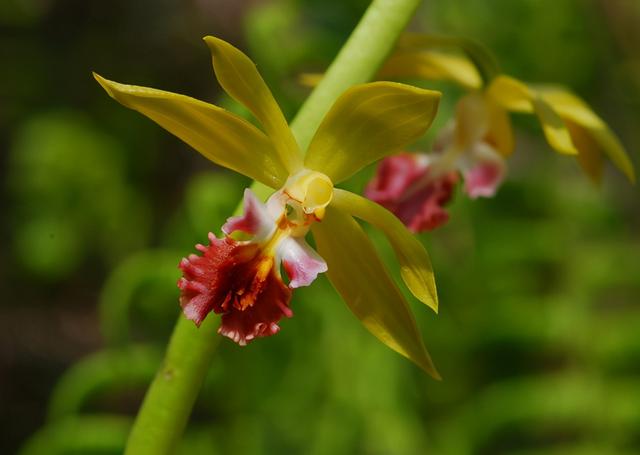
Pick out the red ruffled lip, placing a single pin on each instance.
(236, 280)
(421, 208)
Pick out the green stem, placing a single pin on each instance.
(358, 61)
(167, 405)
(168, 402)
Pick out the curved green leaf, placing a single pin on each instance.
(121, 369)
(90, 434)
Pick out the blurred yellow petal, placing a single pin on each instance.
(240, 78)
(472, 120)
(310, 79)
(357, 273)
(500, 133)
(368, 122)
(554, 128)
(483, 61)
(569, 105)
(431, 65)
(220, 136)
(415, 265)
(517, 96)
(590, 158)
(612, 147)
(573, 109)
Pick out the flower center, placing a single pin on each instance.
(309, 193)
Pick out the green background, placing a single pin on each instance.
(538, 336)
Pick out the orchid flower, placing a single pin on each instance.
(239, 275)
(477, 141)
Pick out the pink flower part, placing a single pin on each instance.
(244, 326)
(424, 209)
(255, 220)
(237, 280)
(401, 185)
(483, 172)
(300, 261)
(395, 175)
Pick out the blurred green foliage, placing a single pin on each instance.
(538, 332)
(71, 197)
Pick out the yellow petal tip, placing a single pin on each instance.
(631, 175)
(431, 370)
(98, 78)
(214, 43)
(106, 84)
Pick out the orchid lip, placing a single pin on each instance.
(241, 279)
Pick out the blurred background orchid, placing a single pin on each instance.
(475, 143)
(537, 331)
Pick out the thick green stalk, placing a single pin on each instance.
(358, 61)
(167, 405)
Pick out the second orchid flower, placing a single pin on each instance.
(475, 143)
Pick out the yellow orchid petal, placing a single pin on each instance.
(368, 122)
(421, 64)
(472, 120)
(357, 273)
(553, 127)
(569, 105)
(573, 110)
(415, 265)
(500, 132)
(590, 158)
(240, 78)
(219, 135)
(517, 96)
(511, 94)
(483, 61)
(612, 147)
(431, 65)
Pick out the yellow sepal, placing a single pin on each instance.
(219, 135)
(589, 157)
(500, 133)
(431, 65)
(359, 276)
(240, 78)
(517, 96)
(368, 122)
(415, 265)
(472, 120)
(587, 123)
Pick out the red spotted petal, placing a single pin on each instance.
(401, 186)
(236, 280)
